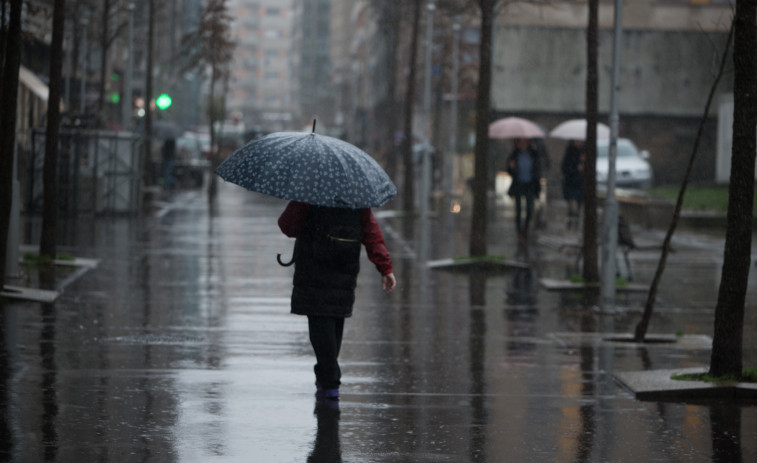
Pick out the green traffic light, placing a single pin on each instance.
(163, 101)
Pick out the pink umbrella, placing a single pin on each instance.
(575, 129)
(514, 127)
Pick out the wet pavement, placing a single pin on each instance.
(179, 347)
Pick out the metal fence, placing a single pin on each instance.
(99, 172)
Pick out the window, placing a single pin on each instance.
(272, 33)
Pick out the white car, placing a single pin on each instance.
(632, 170)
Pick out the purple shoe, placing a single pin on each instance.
(323, 393)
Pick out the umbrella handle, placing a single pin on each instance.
(284, 264)
(313, 126)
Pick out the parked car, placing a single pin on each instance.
(191, 163)
(203, 139)
(632, 168)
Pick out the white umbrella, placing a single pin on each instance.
(575, 129)
(514, 127)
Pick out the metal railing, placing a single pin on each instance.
(99, 172)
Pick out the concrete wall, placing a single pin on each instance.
(662, 72)
(681, 15)
(540, 73)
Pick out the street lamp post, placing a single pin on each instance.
(126, 104)
(426, 180)
(610, 234)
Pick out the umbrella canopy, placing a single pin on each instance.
(514, 127)
(311, 168)
(575, 129)
(166, 130)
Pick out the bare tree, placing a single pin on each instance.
(726, 358)
(10, 34)
(590, 266)
(211, 47)
(47, 244)
(149, 90)
(110, 30)
(478, 237)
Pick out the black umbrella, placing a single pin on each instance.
(310, 168)
(166, 130)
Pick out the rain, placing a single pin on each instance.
(160, 330)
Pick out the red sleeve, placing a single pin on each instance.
(291, 220)
(373, 240)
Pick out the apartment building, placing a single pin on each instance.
(259, 88)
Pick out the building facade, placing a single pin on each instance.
(314, 95)
(260, 89)
(670, 50)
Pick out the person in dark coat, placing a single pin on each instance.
(168, 158)
(524, 168)
(327, 262)
(573, 180)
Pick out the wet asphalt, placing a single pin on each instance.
(179, 347)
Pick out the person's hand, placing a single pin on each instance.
(388, 282)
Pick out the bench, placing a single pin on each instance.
(626, 244)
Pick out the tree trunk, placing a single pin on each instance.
(3, 34)
(591, 267)
(479, 218)
(8, 103)
(217, 115)
(407, 141)
(727, 339)
(104, 46)
(213, 185)
(47, 244)
(147, 168)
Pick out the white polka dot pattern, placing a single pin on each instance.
(311, 168)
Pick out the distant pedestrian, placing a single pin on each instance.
(573, 180)
(168, 159)
(327, 261)
(524, 168)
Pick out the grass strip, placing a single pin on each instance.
(748, 375)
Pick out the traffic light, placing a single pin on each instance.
(163, 101)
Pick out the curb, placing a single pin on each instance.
(657, 385)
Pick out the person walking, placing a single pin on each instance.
(327, 261)
(168, 159)
(524, 168)
(573, 180)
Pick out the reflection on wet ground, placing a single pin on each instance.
(179, 347)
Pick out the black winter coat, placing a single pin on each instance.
(327, 262)
(517, 188)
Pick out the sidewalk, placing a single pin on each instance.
(179, 348)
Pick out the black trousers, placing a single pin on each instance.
(520, 224)
(326, 339)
